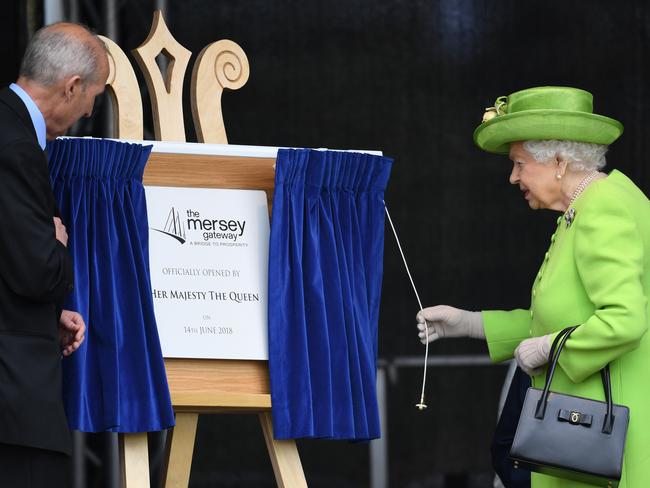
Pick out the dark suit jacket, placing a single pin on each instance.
(35, 277)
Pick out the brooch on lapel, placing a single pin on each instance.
(569, 216)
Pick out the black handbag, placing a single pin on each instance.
(571, 437)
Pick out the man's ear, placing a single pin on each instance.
(72, 86)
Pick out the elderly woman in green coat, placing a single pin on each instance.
(596, 271)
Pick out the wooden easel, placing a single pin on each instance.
(196, 386)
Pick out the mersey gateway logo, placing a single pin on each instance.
(173, 227)
(203, 231)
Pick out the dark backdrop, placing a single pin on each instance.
(411, 78)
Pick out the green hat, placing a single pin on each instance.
(544, 113)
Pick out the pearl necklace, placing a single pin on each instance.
(583, 184)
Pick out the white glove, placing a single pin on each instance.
(446, 321)
(532, 354)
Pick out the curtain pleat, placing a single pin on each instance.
(116, 380)
(325, 271)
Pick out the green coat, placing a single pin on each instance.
(596, 273)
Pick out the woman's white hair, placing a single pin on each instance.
(53, 55)
(581, 156)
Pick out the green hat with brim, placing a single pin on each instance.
(544, 113)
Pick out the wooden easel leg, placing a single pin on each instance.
(135, 460)
(181, 448)
(284, 457)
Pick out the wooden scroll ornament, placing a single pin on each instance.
(124, 94)
(226, 63)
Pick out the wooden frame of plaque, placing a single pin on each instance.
(196, 385)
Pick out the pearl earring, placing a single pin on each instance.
(558, 176)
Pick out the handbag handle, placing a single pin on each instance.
(556, 349)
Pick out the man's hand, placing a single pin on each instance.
(71, 331)
(61, 233)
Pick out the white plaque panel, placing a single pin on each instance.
(208, 251)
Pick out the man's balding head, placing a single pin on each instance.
(64, 69)
(61, 50)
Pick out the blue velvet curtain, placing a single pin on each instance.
(325, 270)
(116, 380)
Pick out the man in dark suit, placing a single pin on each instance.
(64, 68)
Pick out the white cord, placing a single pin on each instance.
(420, 405)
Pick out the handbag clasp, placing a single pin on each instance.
(575, 418)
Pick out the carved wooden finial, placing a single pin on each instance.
(220, 65)
(166, 94)
(124, 94)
